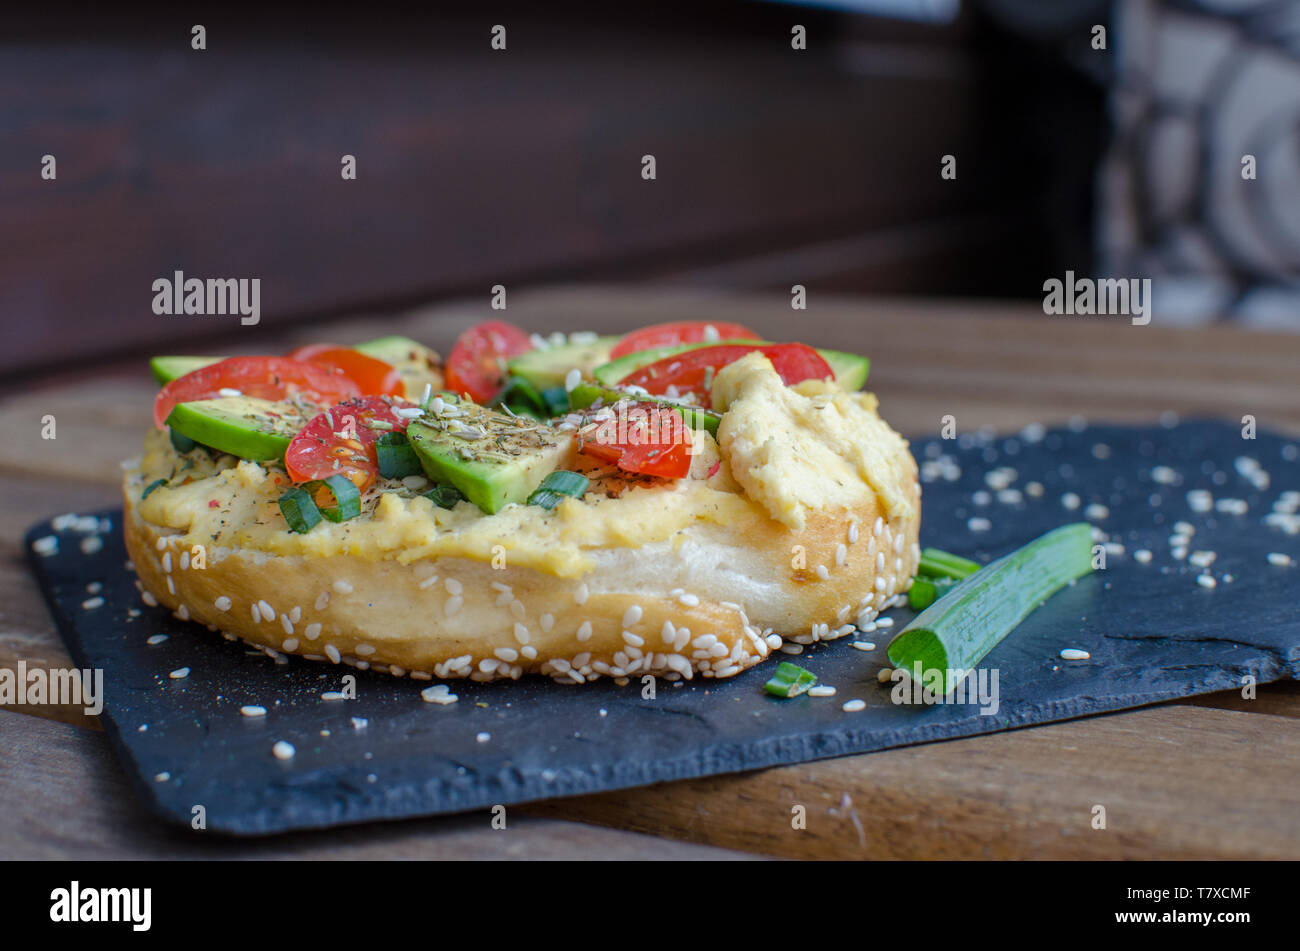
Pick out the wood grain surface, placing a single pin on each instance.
(1210, 777)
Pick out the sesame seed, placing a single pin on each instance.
(91, 544)
(312, 631)
(1142, 555)
(439, 693)
(877, 526)
(634, 640)
(332, 653)
(821, 690)
(452, 606)
(483, 737)
(180, 673)
(91, 603)
(1096, 510)
(789, 648)
(547, 622)
(171, 585)
(162, 777)
(1074, 653)
(156, 639)
(508, 654)
(286, 624)
(853, 706)
(222, 603)
(1280, 559)
(322, 600)
(283, 750)
(521, 633)
(149, 599)
(253, 711)
(185, 561)
(572, 379)
(46, 545)
(1202, 559)
(584, 632)
(268, 612)
(863, 645)
(632, 615)
(365, 650)
(823, 573)
(580, 594)
(842, 554)
(1071, 501)
(1206, 581)
(978, 524)
(167, 561)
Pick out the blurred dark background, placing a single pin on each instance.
(477, 166)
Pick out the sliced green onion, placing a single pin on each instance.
(347, 499)
(521, 396)
(444, 496)
(558, 486)
(181, 442)
(556, 400)
(299, 510)
(955, 633)
(396, 456)
(790, 680)
(150, 487)
(936, 563)
(925, 591)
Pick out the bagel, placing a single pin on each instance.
(798, 522)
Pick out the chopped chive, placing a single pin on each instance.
(936, 563)
(790, 680)
(150, 487)
(444, 496)
(298, 509)
(181, 442)
(396, 456)
(955, 633)
(558, 486)
(347, 499)
(925, 591)
(556, 400)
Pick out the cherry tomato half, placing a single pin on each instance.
(678, 333)
(477, 362)
(341, 441)
(271, 378)
(692, 371)
(372, 376)
(644, 439)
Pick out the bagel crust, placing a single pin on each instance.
(798, 523)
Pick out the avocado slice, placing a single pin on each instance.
(547, 368)
(416, 363)
(584, 394)
(497, 459)
(244, 426)
(166, 369)
(850, 368)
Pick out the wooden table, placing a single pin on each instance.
(1210, 777)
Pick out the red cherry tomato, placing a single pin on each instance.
(477, 362)
(374, 377)
(678, 333)
(271, 378)
(692, 371)
(644, 439)
(341, 441)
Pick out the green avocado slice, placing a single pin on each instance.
(496, 459)
(850, 368)
(584, 394)
(244, 426)
(547, 368)
(166, 369)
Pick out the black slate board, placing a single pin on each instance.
(1152, 632)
